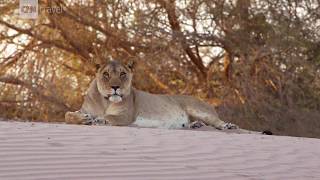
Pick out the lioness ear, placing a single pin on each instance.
(98, 59)
(130, 65)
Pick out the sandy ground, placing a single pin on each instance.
(58, 151)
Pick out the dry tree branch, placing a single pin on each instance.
(125, 45)
(169, 6)
(36, 91)
(40, 38)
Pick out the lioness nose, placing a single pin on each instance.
(115, 87)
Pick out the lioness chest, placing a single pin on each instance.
(158, 111)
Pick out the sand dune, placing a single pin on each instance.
(57, 151)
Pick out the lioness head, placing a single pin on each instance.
(114, 80)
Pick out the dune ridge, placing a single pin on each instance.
(59, 151)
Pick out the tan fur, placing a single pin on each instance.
(139, 108)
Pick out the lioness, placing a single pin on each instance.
(112, 99)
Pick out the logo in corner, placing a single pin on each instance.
(28, 9)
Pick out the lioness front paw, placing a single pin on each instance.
(95, 121)
(79, 117)
(196, 124)
(75, 117)
(229, 126)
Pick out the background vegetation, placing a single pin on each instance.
(256, 60)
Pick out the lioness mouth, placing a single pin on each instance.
(114, 98)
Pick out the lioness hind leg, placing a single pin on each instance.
(206, 115)
(199, 110)
(75, 117)
(209, 116)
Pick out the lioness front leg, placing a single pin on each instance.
(79, 117)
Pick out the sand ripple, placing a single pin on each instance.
(57, 151)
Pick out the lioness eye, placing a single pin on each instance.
(123, 74)
(106, 74)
